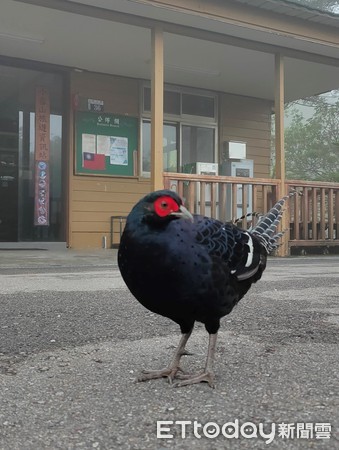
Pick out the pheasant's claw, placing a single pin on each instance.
(207, 377)
(169, 372)
(146, 375)
(175, 374)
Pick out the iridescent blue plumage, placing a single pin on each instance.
(191, 268)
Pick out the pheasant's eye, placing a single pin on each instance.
(164, 206)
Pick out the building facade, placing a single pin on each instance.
(98, 99)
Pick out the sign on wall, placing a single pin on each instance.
(105, 144)
(41, 156)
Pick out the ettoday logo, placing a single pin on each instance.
(211, 430)
(247, 430)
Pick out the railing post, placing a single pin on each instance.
(336, 213)
(283, 250)
(305, 213)
(330, 207)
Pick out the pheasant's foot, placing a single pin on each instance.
(207, 377)
(168, 372)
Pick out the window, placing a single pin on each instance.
(190, 129)
(170, 147)
(198, 105)
(197, 144)
(171, 101)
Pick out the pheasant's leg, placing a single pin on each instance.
(173, 368)
(208, 374)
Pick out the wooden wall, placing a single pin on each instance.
(94, 199)
(248, 120)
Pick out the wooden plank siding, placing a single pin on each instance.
(121, 95)
(249, 120)
(94, 199)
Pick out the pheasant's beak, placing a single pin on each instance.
(183, 214)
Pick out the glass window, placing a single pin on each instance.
(198, 145)
(147, 99)
(198, 105)
(146, 146)
(184, 144)
(170, 147)
(171, 101)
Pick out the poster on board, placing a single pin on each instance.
(119, 150)
(105, 144)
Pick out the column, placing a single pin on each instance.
(157, 108)
(280, 145)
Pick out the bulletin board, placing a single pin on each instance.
(104, 144)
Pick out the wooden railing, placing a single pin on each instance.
(314, 215)
(224, 198)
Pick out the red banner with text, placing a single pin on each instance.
(42, 154)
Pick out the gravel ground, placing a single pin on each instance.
(73, 340)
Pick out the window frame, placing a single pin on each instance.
(180, 120)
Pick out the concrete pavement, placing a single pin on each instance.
(73, 340)
(57, 256)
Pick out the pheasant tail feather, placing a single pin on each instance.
(265, 229)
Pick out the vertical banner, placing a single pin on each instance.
(41, 157)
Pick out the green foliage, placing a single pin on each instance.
(312, 145)
(322, 5)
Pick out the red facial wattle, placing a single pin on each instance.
(165, 205)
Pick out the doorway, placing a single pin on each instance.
(19, 192)
(9, 182)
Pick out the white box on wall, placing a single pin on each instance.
(235, 150)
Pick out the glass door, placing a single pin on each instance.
(21, 186)
(8, 180)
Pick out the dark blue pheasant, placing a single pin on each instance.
(191, 268)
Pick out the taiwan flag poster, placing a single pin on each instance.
(94, 161)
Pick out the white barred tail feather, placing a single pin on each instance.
(266, 227)
(245, 216)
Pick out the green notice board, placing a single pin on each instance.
(105, 144)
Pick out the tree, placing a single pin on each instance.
(322, 5)
(312, 145)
